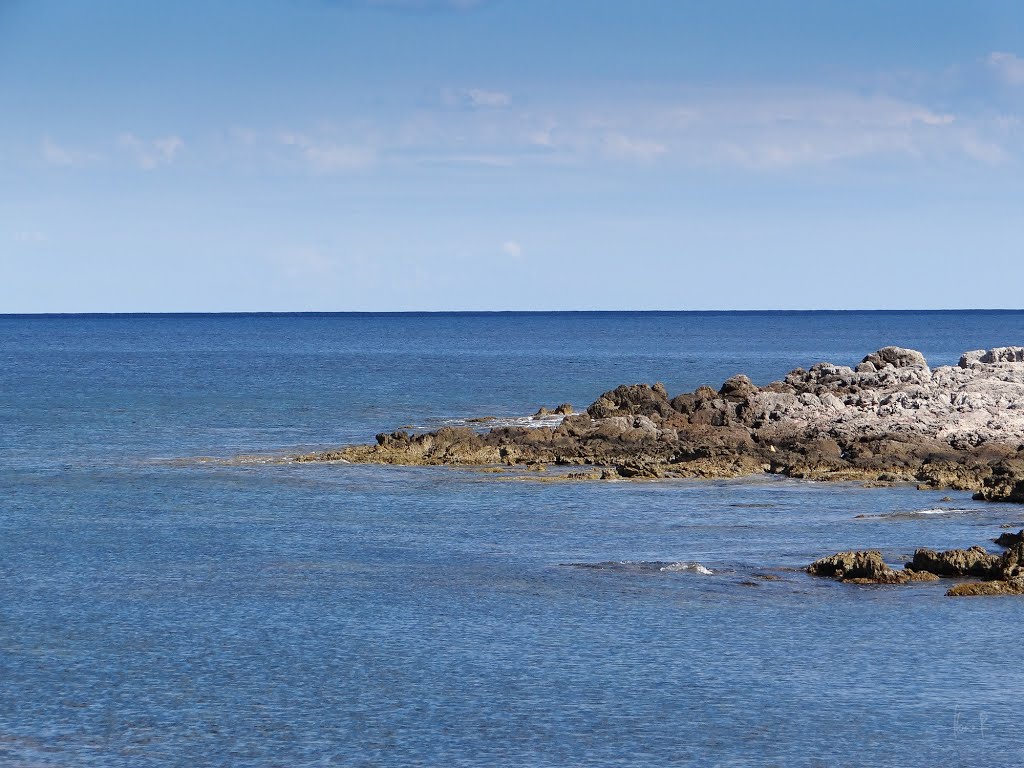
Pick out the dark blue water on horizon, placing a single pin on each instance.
(159, 610)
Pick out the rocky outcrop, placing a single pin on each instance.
(1004, 483)
(864, 567)
(957, 563)
(892, 418)
(1005, 578)
(1009, 539)
(1002, 575)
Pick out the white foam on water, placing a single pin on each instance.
(912, 513)
(693, 567)
(646, 566)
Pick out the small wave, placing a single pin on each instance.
(646, 566)
(914, 513)
(695, 567)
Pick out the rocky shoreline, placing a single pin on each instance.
(890, 419)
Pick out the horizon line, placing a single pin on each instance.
(471, 312)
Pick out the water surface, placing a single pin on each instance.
(157, 612)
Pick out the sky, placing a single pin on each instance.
(421, 155)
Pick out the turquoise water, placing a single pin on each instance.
(157, 610)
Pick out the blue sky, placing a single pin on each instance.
(354, 155)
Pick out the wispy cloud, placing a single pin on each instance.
(65, 157)
(327, 156)
(644, 150)
(1008, 66)
(30, 236)
(512, 248)
(150, 154)
(475, 98)
(760, 130)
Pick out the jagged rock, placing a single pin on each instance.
(1003, 355)
(863, 567)
(737, 387)
(639, 469)
(1011, 564)
(635, 399)
(1009, 539)
(1005, 483)
(957, 562)
(897, 357)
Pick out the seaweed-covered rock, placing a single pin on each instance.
(984, 588)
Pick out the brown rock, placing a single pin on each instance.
(631, 400)
(984, 588)
(1006, 483)
(1009, 539)
(861, 567)
(738, 387)
(957, 562)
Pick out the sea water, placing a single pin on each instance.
(162, 604)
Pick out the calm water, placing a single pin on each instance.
(159, 612)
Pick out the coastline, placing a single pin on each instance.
(890, 420)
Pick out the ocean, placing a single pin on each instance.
(164, 604)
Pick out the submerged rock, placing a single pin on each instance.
(984, 588)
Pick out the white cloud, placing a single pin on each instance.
(512, 248)
(760, 130)
(1008, 66)
(64, 157)
(987, 152)
(754, 129)
(150, 154)
(324, 156)
(644, 150)
(30, 236)
(475, 98)
(478, 97)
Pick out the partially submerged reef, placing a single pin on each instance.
(999, 574)
(890, 419)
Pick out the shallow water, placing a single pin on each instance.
(158, 612)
